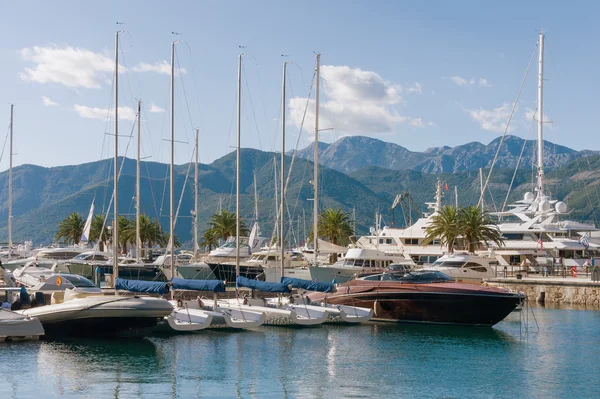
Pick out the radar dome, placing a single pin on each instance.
(529, 196)
(561, 207)
(544, 206)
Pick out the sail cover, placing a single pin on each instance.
(198, 285)
(146, 287)
(308, 285)
(85, 235)
(261, 285)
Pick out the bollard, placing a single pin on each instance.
(97, 273)
(541, 298)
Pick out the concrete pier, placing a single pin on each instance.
(554, 290)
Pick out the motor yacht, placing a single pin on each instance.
(423, 296)
(465, 267)
(357, 261)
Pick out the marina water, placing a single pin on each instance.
(562, 360)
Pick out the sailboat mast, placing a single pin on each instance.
(10, 183)
(172, 182)
(196, 201)
(282, 203)
(237, 169)
(481, 187)
(540, 116)
(115, 236)
(138, 242)
(316, 162)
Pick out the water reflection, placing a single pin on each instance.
(112, 366)
(371, 360)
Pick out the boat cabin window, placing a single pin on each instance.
(411, 241)
(514, 259)
(476, 267)
(512, 236)
(78, 281)
(448, 263)
(388, 241)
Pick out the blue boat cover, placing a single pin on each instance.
(147, 287)
(308, 284)
(198, 285)
(261, 285)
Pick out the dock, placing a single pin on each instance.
(557, 290)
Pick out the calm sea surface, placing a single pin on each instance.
(562, 360)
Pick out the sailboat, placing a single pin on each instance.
(87, 313)
(190, 316)
(540, 227)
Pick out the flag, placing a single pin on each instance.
(446, 186)
(585, 240)
(541, 242)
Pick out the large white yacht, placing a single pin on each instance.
(465, 267)
(357, 261)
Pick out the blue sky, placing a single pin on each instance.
(418, 73)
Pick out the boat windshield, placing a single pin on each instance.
(79, 281)
(413, 277)
(448, 263)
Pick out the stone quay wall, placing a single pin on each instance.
(565, 292)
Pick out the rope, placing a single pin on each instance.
(514, 107)
(517, 166)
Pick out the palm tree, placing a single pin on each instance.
(334, 226)
(209, 239)
(164, 241)
(444, 226)
(126, 232)
(475, 226)
(150, 231)
(223, 225)
(70, 229)
(97, 227)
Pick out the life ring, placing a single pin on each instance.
(573, 271)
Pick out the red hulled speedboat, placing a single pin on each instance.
(425, 297)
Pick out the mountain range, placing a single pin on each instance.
(352, 178)
(351, 153)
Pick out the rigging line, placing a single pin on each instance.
(107, 127)
(198, 102)
(5, 141)
(518, 163)
(185, 97)
(114, 183)
(294, 153)
(260, 86)
(132, 98)
(252, 106)
(487, 180)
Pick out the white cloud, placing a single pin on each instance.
(483, 82)
(125, 113)
(48, 101)
(159, 67)
(155, 108)
(72, 67)
(356, 102)
(532, 114)
(472, 82)
(493, 120)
